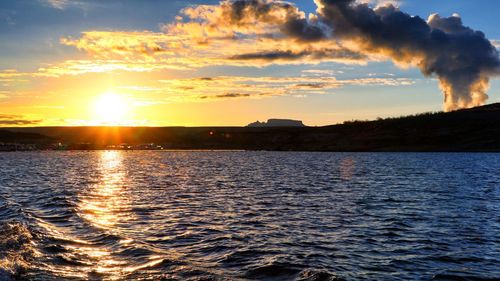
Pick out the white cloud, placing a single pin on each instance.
(379, 3)
(64, 4)
(58, 4)
(231, 87)
(496, 43)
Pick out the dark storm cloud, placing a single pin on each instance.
(291, 21)
(289, 55)
(301, 29)
(276, 55)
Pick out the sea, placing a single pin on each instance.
(241, 215)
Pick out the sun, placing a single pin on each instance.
(111, 109)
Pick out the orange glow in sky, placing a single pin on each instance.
(170, 63)
(111, 109)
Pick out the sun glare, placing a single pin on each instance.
(111, 109)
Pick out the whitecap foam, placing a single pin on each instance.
(16, 250)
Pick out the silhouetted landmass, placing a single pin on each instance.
(10, 136)
(277, 123)
(476, 129)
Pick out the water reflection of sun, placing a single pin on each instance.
(347, 168)
(104, 205)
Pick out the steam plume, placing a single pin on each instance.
(462, 58)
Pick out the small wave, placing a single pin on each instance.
(71, 260)
(55, 249)
(457, 259)
(154, 262)
(318, 275)
(287, 271)
(274, 271)
(16, 251)
(457, 277)
(8, 209)
(240, 257)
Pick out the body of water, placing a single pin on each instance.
(118, 215)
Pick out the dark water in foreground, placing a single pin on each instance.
(249, 216)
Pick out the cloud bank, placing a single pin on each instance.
(232, 87)
(16, 120)
(263, 32)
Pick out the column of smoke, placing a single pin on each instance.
(463, 59)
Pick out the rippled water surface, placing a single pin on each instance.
(115, 215)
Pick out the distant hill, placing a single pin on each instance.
(278, 123)
(8, 136)
(476, 129)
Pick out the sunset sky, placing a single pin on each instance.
(182, 63)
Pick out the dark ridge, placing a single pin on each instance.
(476, 129)
(21, 137)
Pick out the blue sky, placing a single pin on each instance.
(30, 39)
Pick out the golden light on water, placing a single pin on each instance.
(105, 202)
(347, 168)
(104, 206)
